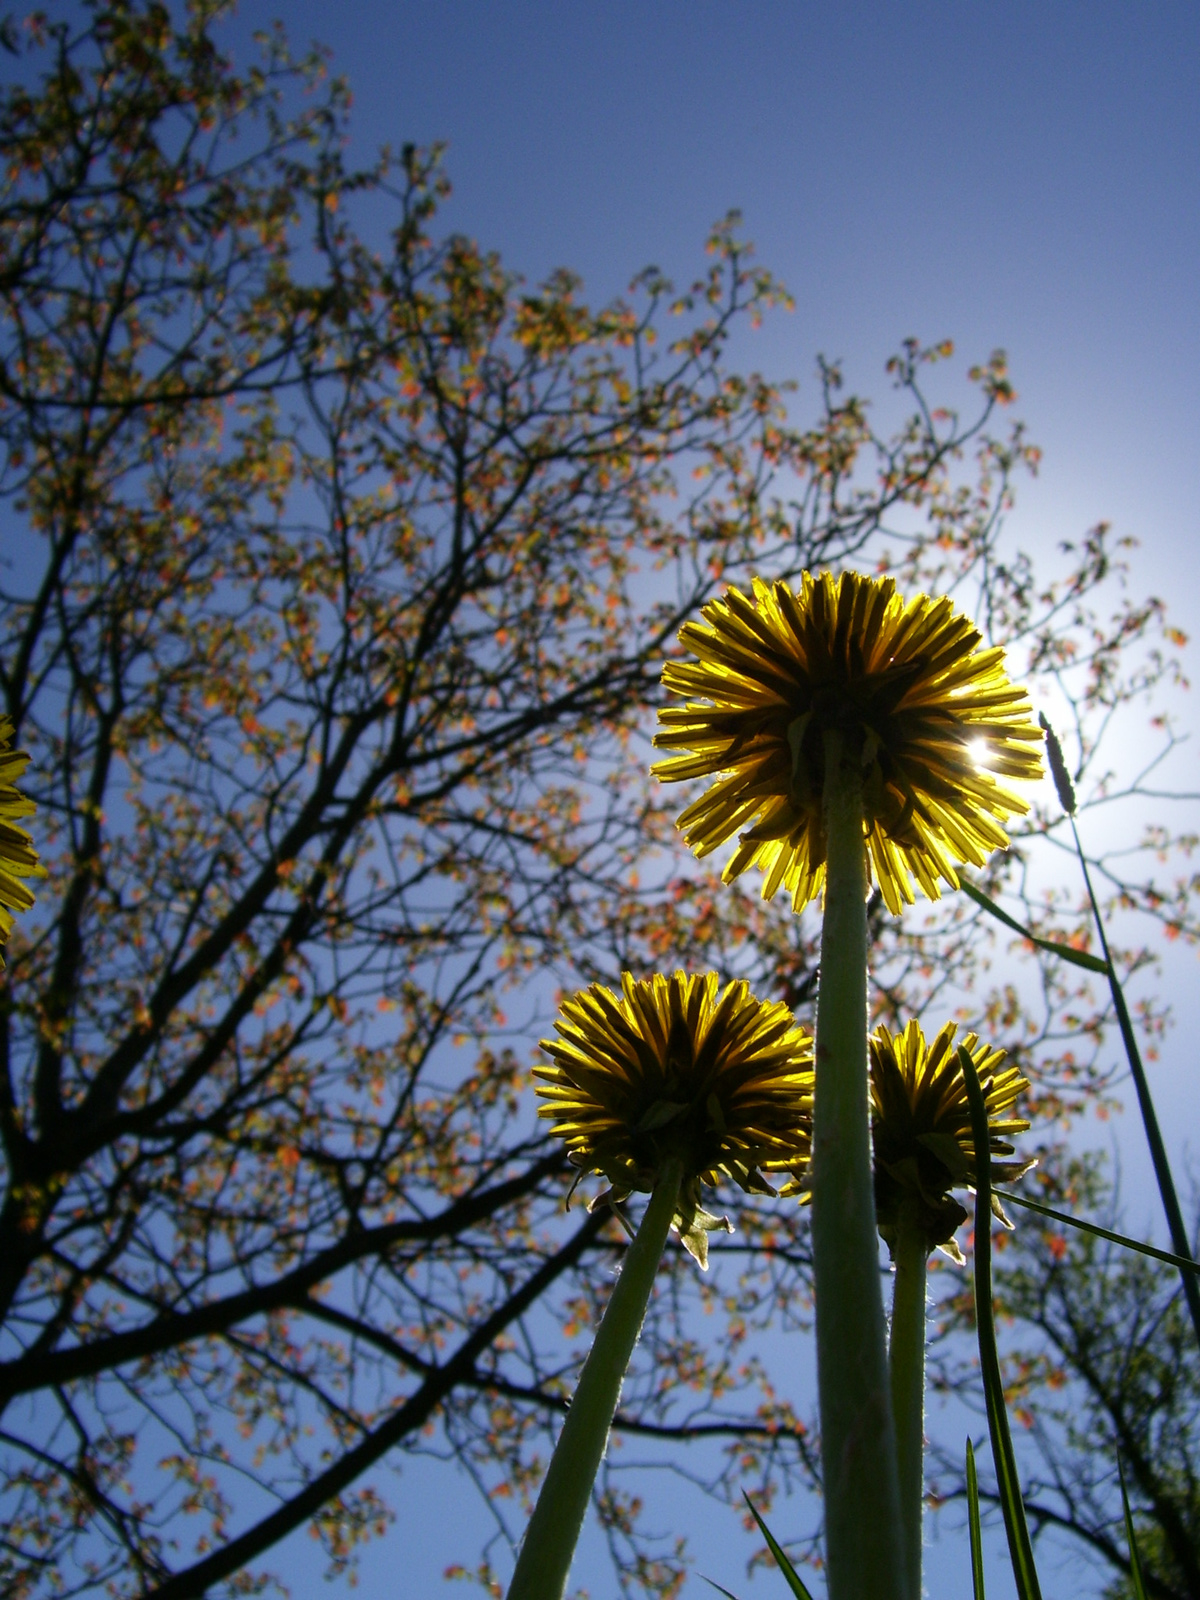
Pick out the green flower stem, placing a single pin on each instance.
(907, 1360)
(553, 1531)
(863, 1536)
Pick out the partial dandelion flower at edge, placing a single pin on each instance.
(18, 859)
(931, 716)
(676, 1068)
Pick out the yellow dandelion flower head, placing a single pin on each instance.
(18, 859)
(679, 1069)
(931, 715)
(921, 1128)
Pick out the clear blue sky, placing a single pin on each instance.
(1024, 175)
(1017, 174)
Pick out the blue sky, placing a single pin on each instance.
(1018, 175)
(1013, 174)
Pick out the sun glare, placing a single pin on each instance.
(977, 750)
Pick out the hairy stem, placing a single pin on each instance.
(864, 1544)
(553, 1531)
(907, 1360)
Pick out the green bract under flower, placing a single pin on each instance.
(18, 859)
(675, 1068)
(931, 716)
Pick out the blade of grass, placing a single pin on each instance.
(1077, 958)
(791, 1576)
(1184, 1263)
(1135, 1560)
(1158, 1151)
(1020, 1547)
(713, 1584)
(973, 1523)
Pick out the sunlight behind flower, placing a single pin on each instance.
(978, 752)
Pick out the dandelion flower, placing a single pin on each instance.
(931, 715)
(673, 1069)
(662, 1087)
(18, 859)
(921, 1130)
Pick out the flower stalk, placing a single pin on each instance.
(668, 1086)
(906, 1359)
(864, 1549)
(852, 735)
(553, 1532)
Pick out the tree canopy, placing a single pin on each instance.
(337, 588)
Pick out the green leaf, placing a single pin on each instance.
(1020, 1547)
(791, 1576)
(973, 1523)
(1184, 1263)
(1135, 1560)
(1077, 958)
